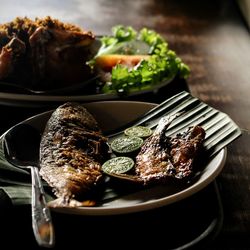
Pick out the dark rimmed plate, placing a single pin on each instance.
(116, 113)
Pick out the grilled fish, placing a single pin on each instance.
(72, 150)
(162, 157)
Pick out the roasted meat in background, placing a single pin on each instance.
(44, 53)
(72, 150)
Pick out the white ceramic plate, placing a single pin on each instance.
(112, 114)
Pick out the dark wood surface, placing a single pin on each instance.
(213, 39)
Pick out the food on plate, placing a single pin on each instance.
(72, 150)
(44, 53)
(48, 54)
(161, 157)
(76, 158)
(129, 61)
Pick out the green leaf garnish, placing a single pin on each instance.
(163, 63)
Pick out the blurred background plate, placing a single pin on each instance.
(29, 100)
(16, 95)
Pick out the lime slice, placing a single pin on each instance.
(140, 131)
(118, 165)
(126, 144)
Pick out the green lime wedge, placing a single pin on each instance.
(118, 165)
(126, 144)
(139, 131)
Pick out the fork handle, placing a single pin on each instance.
(41, 217)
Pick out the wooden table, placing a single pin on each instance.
(213, 39)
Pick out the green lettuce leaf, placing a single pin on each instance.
(162, 65)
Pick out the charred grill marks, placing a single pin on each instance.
(73, 148)
(71, 152)
(161, 156)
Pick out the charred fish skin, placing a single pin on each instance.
(72, 150)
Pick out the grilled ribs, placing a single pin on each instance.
(162, 157)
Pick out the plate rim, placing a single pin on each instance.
(6, 97)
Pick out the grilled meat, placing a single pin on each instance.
(162, 157)
(72, 150)
(44, 53)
